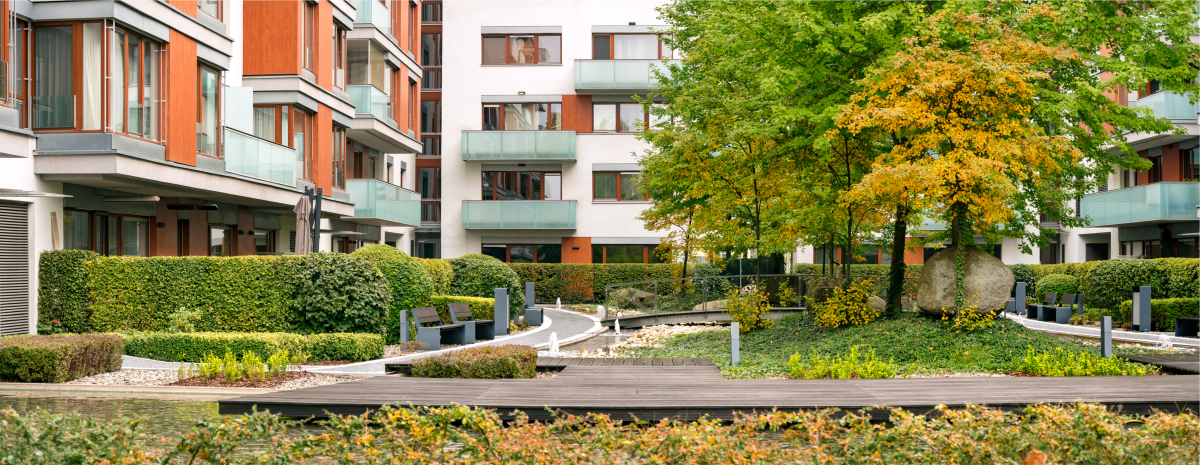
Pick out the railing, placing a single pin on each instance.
(707, 292)
(431, 78)
(1160, 201)
(368, 99)
(431, 211)
(518, 145)
(431, 144)
(617, 74)
(377, 199)
(431, 12)
(258, 158)
(1167, 104)
(518, 214)
(374, 12)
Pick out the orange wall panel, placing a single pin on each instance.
(183, 89)
(1172, 164)
(323, 155)
(324, 43)
(166, 243)
(198, 234)
(272, 31)
(245, 242)
(913, 255)
(583, 255)
(577, 113)
(188, 7)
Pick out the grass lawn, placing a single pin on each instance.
(916, 343)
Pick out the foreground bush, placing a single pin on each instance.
(487, 362)
(1163, 312)
(410, 284)
(749, 309)
(338, 293)
(847, 307)
(480, 277)
(191, 347)
(1064, 363)
(818, 367)
(1083, 433)
(482, 308)
(1059, 284)
(60, 358)
(62, 290)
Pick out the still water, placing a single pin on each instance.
(162, 417)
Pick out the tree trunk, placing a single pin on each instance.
(895, 301)
(959, 254)
(848, 251)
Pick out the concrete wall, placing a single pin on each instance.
(17, 173)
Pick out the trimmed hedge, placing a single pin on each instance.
(191, 347)
(440, 273)
(59, 358)
(585, 282)
(338, 293)
(487, 362)
(479, 277)
(62, 289)
(1164, 311)
(1110, 282)
(1057, 283)
(482, 308)
(410, 284)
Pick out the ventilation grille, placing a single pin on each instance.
(292, 241)
(14, 268)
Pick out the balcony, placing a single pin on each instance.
(373, 12)
(431, 212)
(258, 158)
(518, 145)
(372, 125)
(1147, 204)
(518, 214)
(381, 204)
(1168, 105)
(369, 100)
(616, 76)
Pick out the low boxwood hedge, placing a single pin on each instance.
(1057, 283)
(487, 362)
(1163, 312)
(59, 358)
(191, 347)
(482, 308)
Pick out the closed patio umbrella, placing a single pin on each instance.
(303, 229)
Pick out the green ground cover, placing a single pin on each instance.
(916, 344)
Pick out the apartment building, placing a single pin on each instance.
(184, 128)
(530, 131)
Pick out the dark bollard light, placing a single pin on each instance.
(500, 311)
(529, 295)
(404, 326)
(736, 343)
(1141, 308)
(1106, 336)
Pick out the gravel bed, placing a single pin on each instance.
(314, 379)
(130, 378)
(650, 336)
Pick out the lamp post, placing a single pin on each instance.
(1141, 308)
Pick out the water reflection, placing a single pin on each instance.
(159, 416)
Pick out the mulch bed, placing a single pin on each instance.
(327, 363)
(268, 382)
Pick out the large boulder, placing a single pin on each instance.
(712, 305)
(876, 303)
(637, 297)
(987, 282)
(821, 289)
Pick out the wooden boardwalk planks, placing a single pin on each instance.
(1189, 363)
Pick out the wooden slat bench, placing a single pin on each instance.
(460, 313)
(434, 336)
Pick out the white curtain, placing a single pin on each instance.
(116, 88)
(93, 75)
(151, 92)
(636, 46)
(264, 123)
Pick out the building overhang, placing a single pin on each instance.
(379, 135)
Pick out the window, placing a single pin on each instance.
(620, 117)
(339, 157)
(629, 47)
(522, 49)
(339, 58)
(522, 117)
(525, 253)
(76, 228)
(310, 24)
(522, 185)
(219, 241)
(366, 62)
(53, 85)
(210, 7)
(431, 61)
(302, 137)
(106, 233)
(431, 145)
(431, 12)
(1191, 164)
(427, 183)
(1156, 168)
(617, 186)
(431, 117)
(624, 253)
(207, 134)
(264, 241)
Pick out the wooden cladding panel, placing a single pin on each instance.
(245, 242)
(577, 113)
(1172, 163)
(323, 149)
(188, 7)
(183, 90)
(570, 255)
(272, 45)
(198, 234)
(914, 255)
(324, 45)
(166, 241)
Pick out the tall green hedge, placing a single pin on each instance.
(1164, 311)
(479, 277)
(440, 272)
(411, 286)
(482, 308)
(585, 282)
(62, 289)
(1110, 282)
(191, 347)
(338, 293)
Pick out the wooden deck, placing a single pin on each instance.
(548, 364)
(690, 391)
(1189, 363)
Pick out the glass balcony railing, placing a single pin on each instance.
(1168, 104)
(374, 12)
(368, 99)
(1150, 203)
(518, 214)
(617, 74)
(518, 145)
(377, 199)
(258, 158)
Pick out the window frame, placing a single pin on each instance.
(200, 68)
(508, 251)
(647, 252)
(301, 117)
(508, 49)
(617, 115)
(220, 10)
(617, 176)
(612, 45)
(144, 51)
(17, 95)
(500, 115)
(338, 170)
(339, 57)
(308, 39)
(528, 186)
(92, 221)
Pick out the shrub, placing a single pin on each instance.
(338, 293)
(477, 277)
(847, 307)
(1057, 283)
(819, 367)
(1110, 281)
(440, 273)
(585, 282)
(749, 310)
(62, 289)
(482, 308)
(1024, 274)
(487, 362)
(1163, 312)
(971, 319)
(60, 358)
(1063, 363)
(1181, 277)
(191, 347)
(410, 283)
(479, 256)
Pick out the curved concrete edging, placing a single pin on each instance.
(596, 328)
(1094, 333)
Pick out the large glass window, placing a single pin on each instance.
(302, 142)
(207, 135)
(1191, 163)
(310, 32)
(427, 183)
(524, 253)
(106, 233)
(616, 186)
(629, 47)
(134, 239)
(134, 84)
(619, 117)
(76, 228)
(431, 117)
(523, 117)
(522, 49)
(339, 58)
(53, 89)
(339, 157)
(521, 185)
(367, 66)
(624, 253)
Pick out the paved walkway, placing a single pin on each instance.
(1152, 338)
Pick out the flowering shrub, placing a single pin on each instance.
(847, 307)
(749, 309)
(1063, 363)
(487, 362)
(970, 319)
(838, 368)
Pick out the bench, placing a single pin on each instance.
(434, 336)
(1033, 311)
(1185, 327)
(460, 313)
(1063, 313)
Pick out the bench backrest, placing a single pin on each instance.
(461, 311)
(1067, 300)
(1050, 296)
(425, 315)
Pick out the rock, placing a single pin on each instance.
(821, 289)
(987, 282)
(637, 297)
(907, 304)
(712, 305)
(876, 303)
(749, 289)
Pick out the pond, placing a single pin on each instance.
(164, 417)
